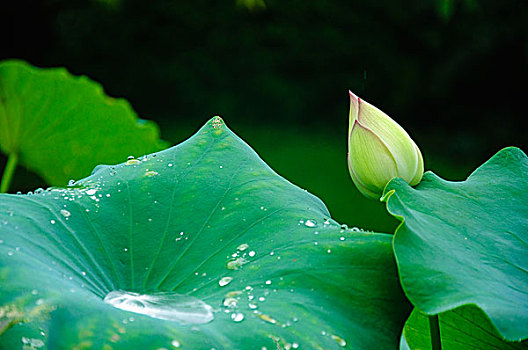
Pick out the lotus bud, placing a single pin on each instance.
(379, 150)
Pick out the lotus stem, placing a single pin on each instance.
(9, 170)
(434, 327)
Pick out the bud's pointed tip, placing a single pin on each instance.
(352, 95)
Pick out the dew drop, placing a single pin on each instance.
(181, 308)
(340, 341)
(169, 165)
(310, 223)
(243, 246)
(91, 191)
(251, 253)
(52, 222)
(268, 282)
(65, 213)
(217, 122)
(236, 264)
(224, 281)
(32, 343)
(132, 162)
(230, 303)
(233, 293)
(151, 173)
(237, 317)
(267, 318)
(175, 344)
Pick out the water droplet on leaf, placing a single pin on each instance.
(181, 308)
(236, 264)
(31, 343)
(310, 223)
(243, 246)
(340, 341)
(151, 173)
(230, 303)
(267, 318)
(237, 317)
(224, 281)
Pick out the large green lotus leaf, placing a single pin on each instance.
(61, 126)
(466, 327)
(211, 222)
(467, 242)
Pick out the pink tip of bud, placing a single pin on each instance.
(353, 98)
(354, 105)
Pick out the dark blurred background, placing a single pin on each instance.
(453, 73)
